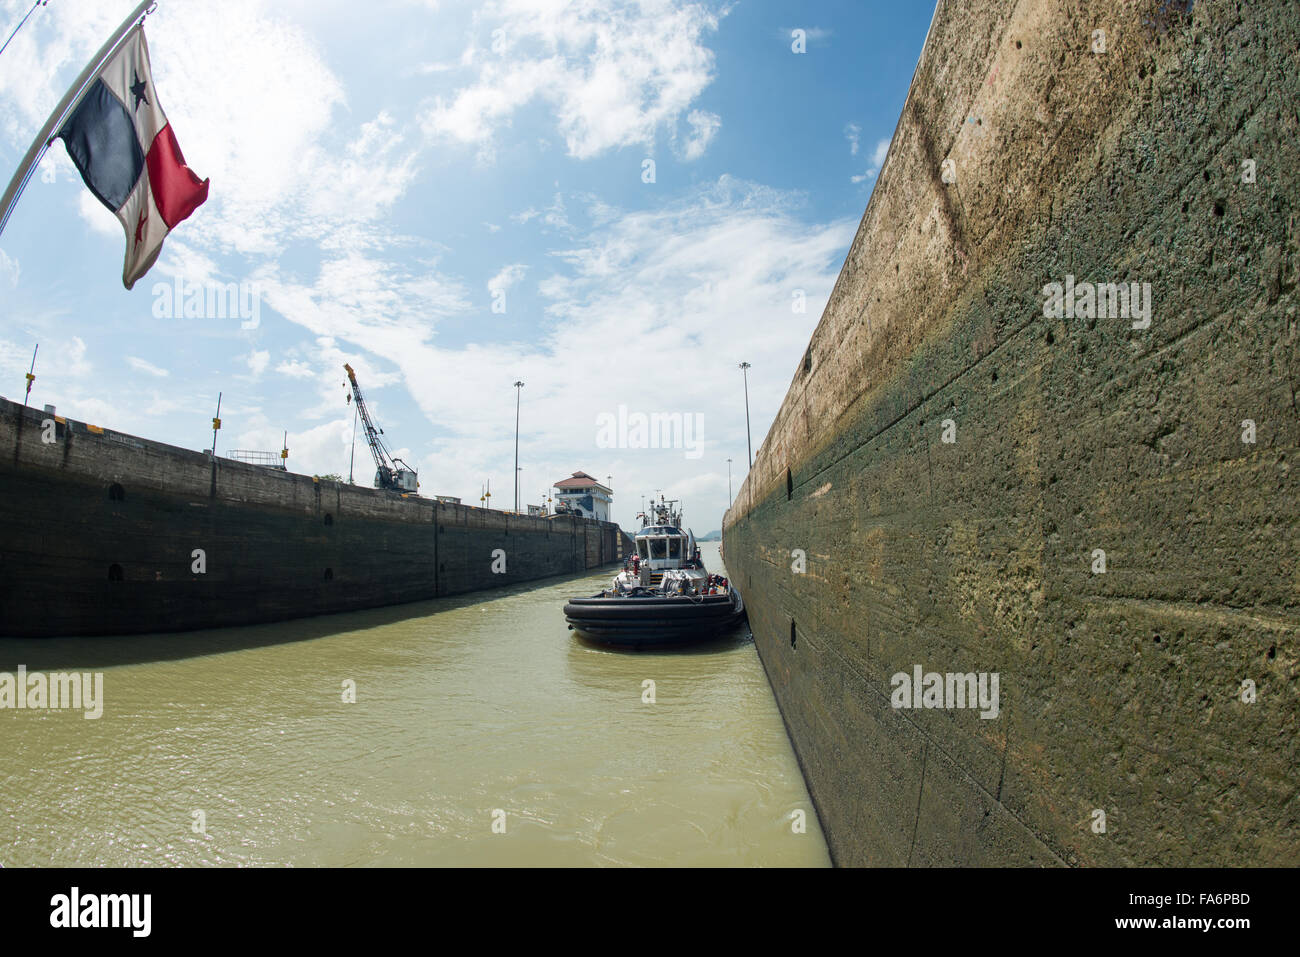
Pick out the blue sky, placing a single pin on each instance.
(383, 173)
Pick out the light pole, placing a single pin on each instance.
(216, 421)
(728, 483)
(519, 391)
(744, 371)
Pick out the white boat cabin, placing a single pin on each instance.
(664, 547)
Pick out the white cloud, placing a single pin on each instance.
(181, 259)
(613, 72)
(555, 215)
(425, 69)
(142, 365)
(160, 404)
(295, 369)
(688, 290)
(879, 153)
(703, 127)
(365, 181)
(9, 269)
(320, 450)
(507, 277)
(382, 307)
(98, 216)
(852, 132)
(251, 100)
(257, 361)
(877, 160)
(598, 211)
(811, 34)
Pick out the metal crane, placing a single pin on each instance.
(387, 473)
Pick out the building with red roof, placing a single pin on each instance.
(585, 496)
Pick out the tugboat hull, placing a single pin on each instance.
(655, 622)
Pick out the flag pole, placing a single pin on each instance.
(38, 3)
(66, 105)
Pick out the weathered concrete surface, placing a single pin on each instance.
(1120, 691)
(98, 531)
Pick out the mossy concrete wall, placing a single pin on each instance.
(952, 461)
(99, 532)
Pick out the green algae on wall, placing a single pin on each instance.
(1096, 507)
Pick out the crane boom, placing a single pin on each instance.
(388, 474)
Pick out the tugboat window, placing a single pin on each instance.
(674, 548)
(658, 547)
(643, 547)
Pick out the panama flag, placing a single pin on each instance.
(127, 153)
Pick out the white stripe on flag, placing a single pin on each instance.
(130, 67)
(140, 256)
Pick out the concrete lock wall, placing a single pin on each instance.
(100, 532)
(952, 462)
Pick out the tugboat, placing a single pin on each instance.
(663, 596)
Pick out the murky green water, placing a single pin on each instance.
(464, 708)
